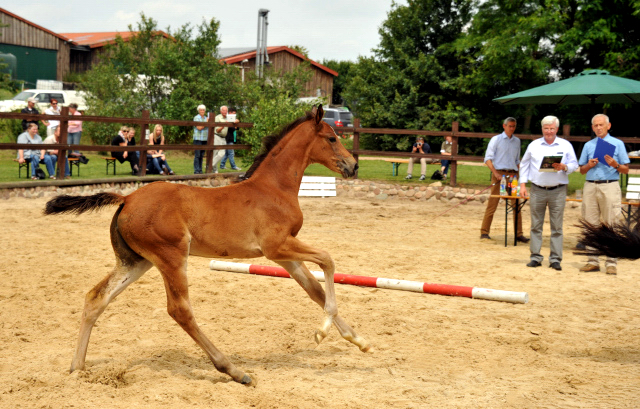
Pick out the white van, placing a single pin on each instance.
(43, 98)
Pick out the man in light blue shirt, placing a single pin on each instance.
(548, 189)
(601, 197)
(502, 158)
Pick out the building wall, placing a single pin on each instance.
(34, 44)
(285, 61)
(33, 63)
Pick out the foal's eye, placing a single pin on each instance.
(332, 139)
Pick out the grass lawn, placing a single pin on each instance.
(470, 176)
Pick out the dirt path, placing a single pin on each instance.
(575, 344)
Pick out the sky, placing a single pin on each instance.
(331, 29)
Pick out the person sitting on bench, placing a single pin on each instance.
(419, 147)
(125, 138)
(34, 155)
(53, 153)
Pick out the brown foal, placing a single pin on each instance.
(162, 224)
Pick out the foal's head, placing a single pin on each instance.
(322, 144)
(326, 148)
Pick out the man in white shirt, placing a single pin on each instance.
(548, 189)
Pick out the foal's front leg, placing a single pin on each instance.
(294, 249)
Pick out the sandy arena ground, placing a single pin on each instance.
(576, 344)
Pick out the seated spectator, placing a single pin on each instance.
(419, 147)
(33, 155)
(124, 138)
(156, 158)
(53, 153)
(445, 149)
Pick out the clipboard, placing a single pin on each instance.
(603, 148)
(547, 163)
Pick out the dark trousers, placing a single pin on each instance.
(197, 159)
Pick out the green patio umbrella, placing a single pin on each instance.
(588, 87)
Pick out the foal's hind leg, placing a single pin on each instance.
(173, 267)
(99, 297)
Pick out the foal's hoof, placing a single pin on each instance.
(320, 335)
(366, 348)
(247, 381)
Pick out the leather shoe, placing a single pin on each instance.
(485, 236)
(555, 265)
(523, 239)
(612, 270)
(590, 268)
(534, 263)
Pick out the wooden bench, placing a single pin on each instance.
(26, 164)
(73, 162)
(395, 164)
(110, 162)
(632, 198)
(318, 186)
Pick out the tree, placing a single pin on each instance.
(410, 80)
(171, 77)
(165, 76)
(344, 70)
(512, 46)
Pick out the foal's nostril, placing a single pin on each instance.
(356, 167)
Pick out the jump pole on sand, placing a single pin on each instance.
(388, 283)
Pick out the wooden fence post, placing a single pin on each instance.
(356, 142)
(142, 163)
(62, 153)
(210, 141)
(454, 151)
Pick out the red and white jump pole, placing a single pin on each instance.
(388, 283)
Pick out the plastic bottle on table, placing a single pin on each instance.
(514, 186)
(503, 186)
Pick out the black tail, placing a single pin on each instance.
(81, 204)
(614, 241)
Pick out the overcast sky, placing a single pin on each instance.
(329, 29)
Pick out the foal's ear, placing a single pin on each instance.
(319, 112)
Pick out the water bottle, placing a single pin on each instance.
(503, 186)
(514, 186)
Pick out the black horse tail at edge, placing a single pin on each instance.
(81, 204)
(617, 240)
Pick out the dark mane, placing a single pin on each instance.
(269, 142)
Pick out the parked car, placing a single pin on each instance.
(338, 117)
(43, 97)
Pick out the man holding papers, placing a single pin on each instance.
(548, 188)
(603, 159)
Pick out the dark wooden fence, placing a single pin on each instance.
(455, 136)
(144, 122)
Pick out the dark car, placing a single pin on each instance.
(338, 117)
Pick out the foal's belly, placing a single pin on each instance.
(224, 250)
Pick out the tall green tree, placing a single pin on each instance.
(511, 46)
(409, 82)
(344, 70)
